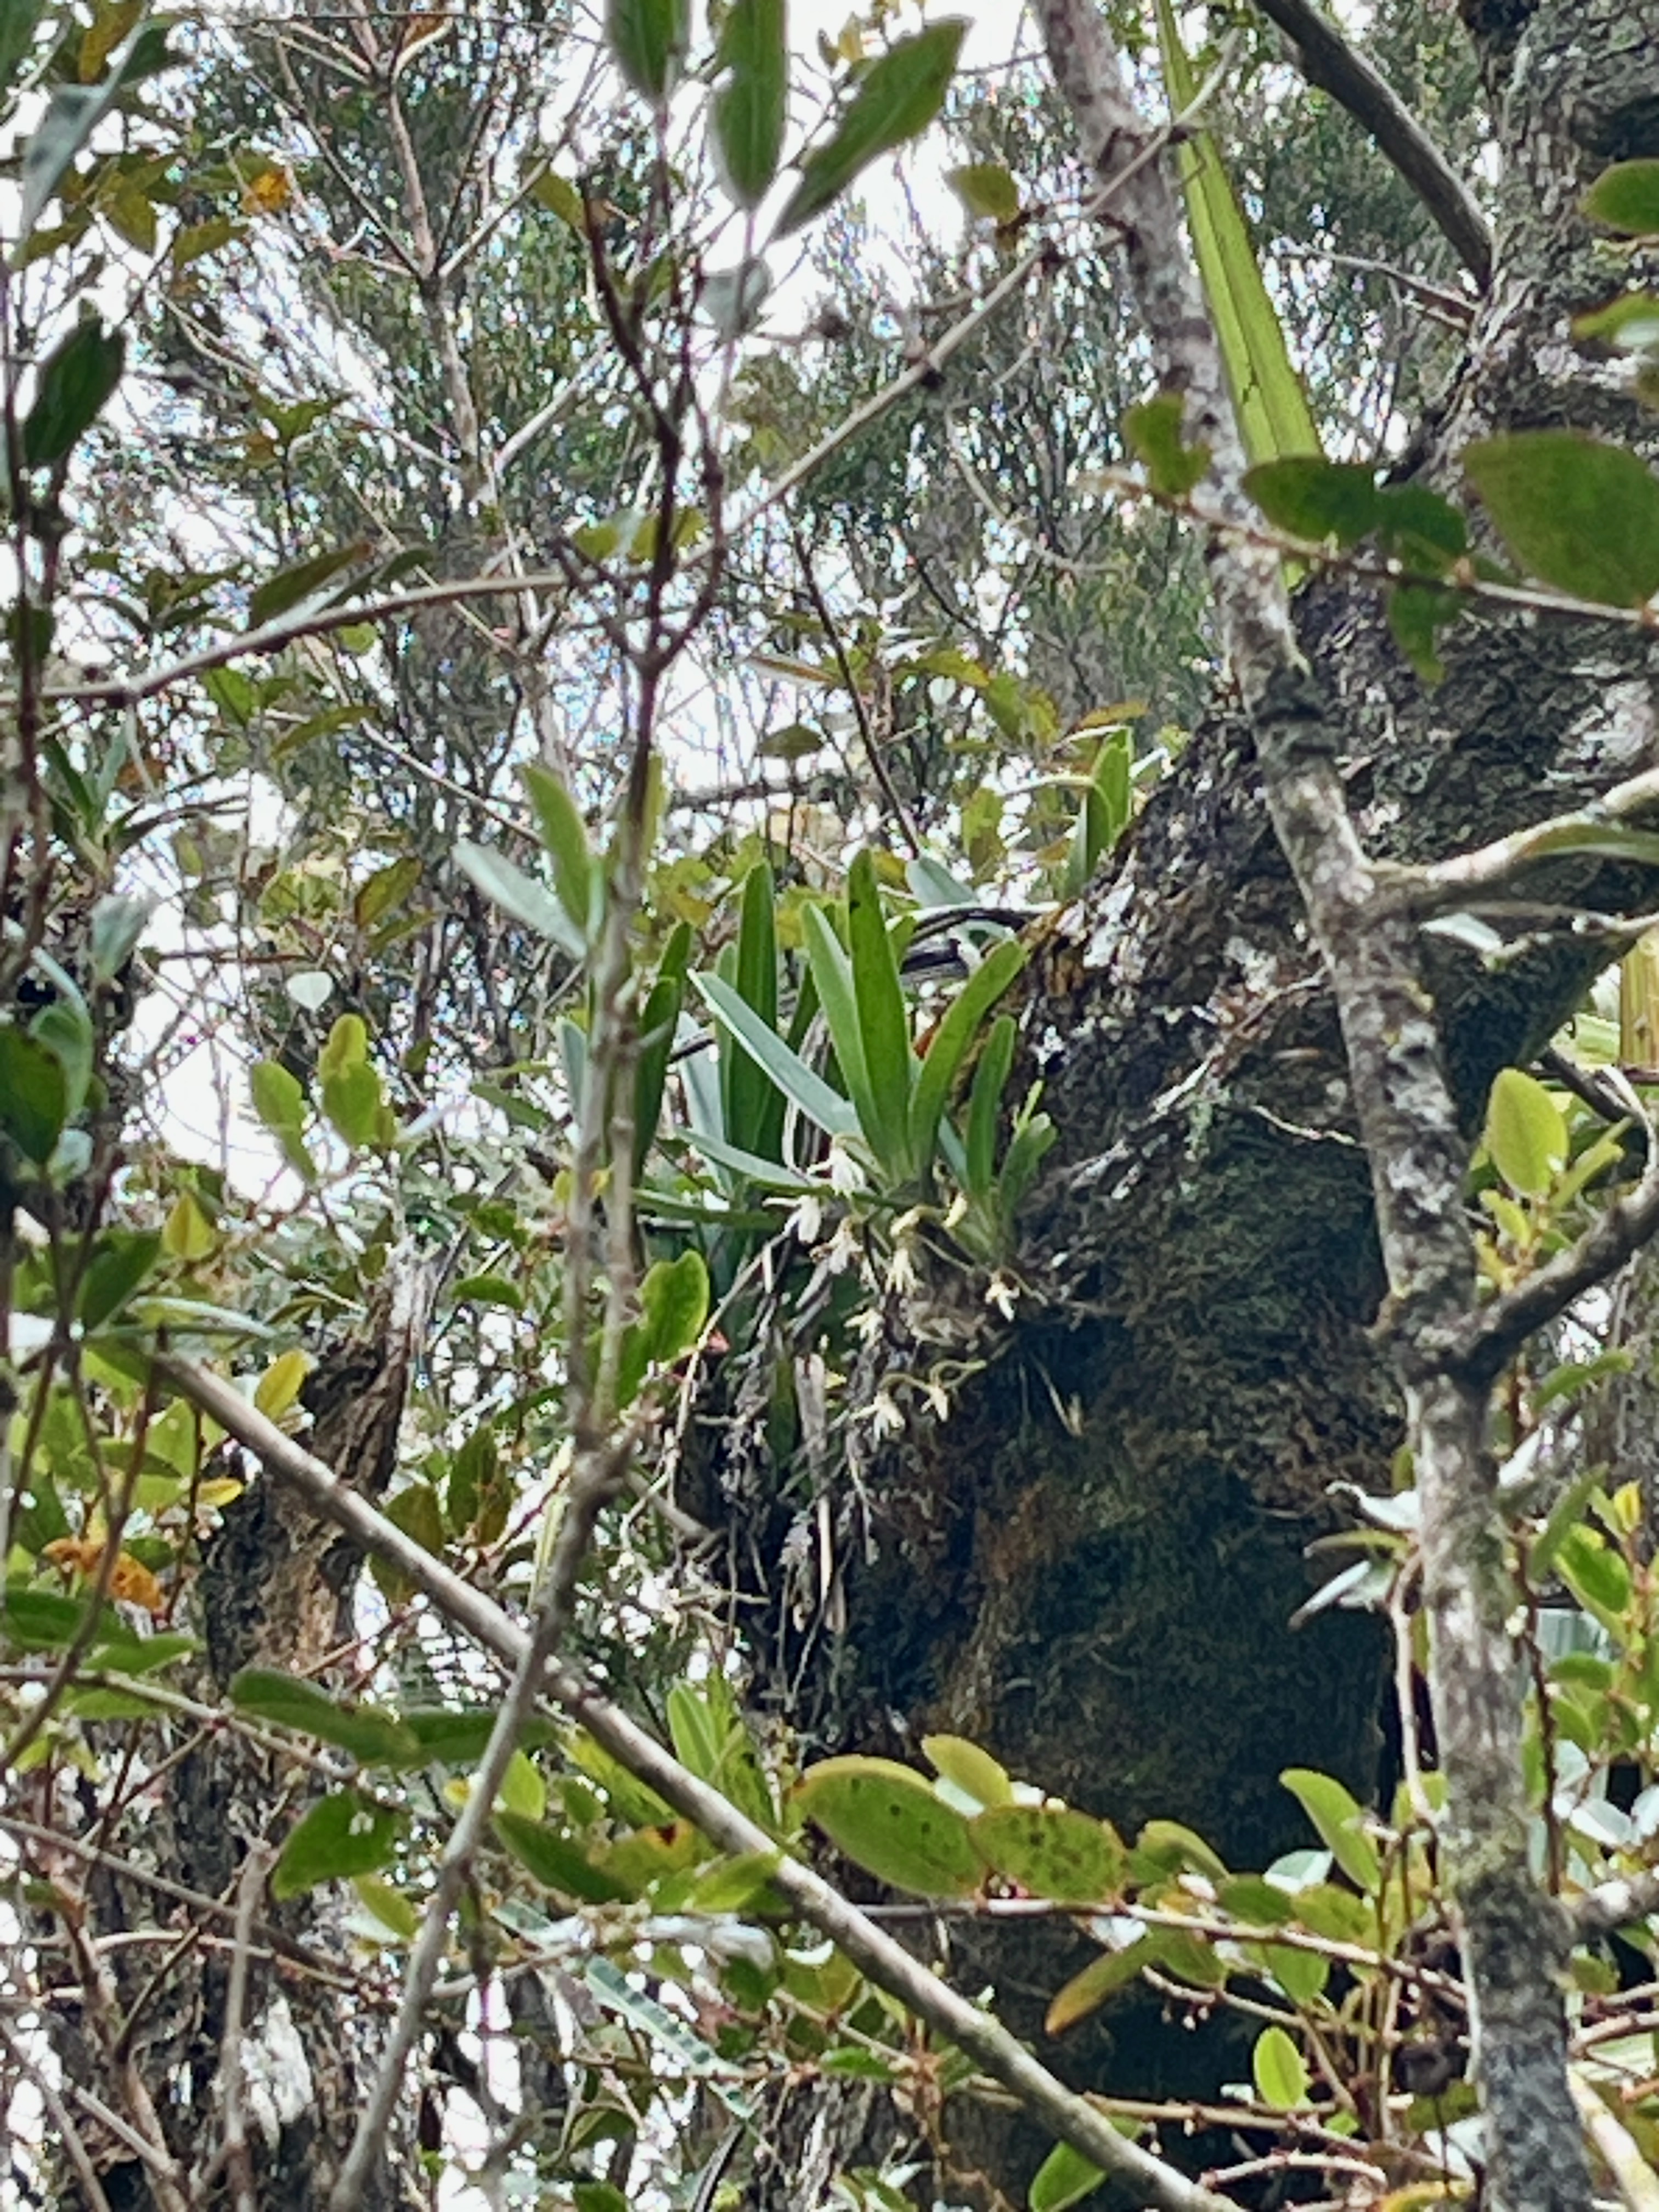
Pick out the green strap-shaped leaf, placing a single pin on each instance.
(753, 1103)
(648, 39)
(883, 1022)
(899, 98)
(832, 978)
(1274, 418)
(961, 1025)
(985, 1104)
(565, 838)
(519, 894)
(750, 108)
(658, 1024)
(76, 378)
(827, 1108)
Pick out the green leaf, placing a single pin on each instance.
(1341, 1822)
(387, 888)
(395, 1913)
(280, 1104)
(1153, 433)
(752, 1103)
(564, 837)
(1417, 613)
(832, 978)
(886, 1820)
(659, 1024)
(884, 1021)
(123, 1258)
(985, 1104)
(1625, 197)
(342, 1836)
(673, 1307)
(523, 1792)
(1064, 2178)
(1526, 1132)
(64, 1028)
(1317, 499)
(76, 381)
(1576, 513)
(1052, 1852)
(649, 40)
(372, 1736)
(974, 1771)
(34, 1095)
(1100, 1979)
(898, 98)
(987, 190)
(117, 923)
(1274, 418)
(769, 1175)
(40, 1619)
(1281, 2075)
(519, 895)
(288, 588)
(826, 1108)
(752, 104)
(1597, 1576)
(711, 1737)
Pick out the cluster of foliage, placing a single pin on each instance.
(367, 642)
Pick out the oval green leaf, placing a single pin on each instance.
(750, 107)
(898, 99)
(343, 1836)
(1341, 1822)
(1052, 1852)
(886, 1820)
(1576, 513)
(1526, 1132)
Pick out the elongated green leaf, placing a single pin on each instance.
(827, 1108)
(963, 1022)
(658, 1024)
(1340, 1823)
(18, 22)
(1103, 1978)
(832, 979)
(985, 1104)
(344, 1835)
(377, 1738)
(519, 895)
(970, 1770)
(1575, 512)
(281, 1105)
(884, 1022)
(565, 837)
(1274, 418)
(34, 1095)
(648, 39)
(303, 581)
(123, 1258)
(76, 378)
(673, 1306)
(752, 1102)
(770, 1174)
(1065, 2177)
(557, 1861)
(898, 98)
(751, 106)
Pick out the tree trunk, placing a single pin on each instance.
(1090, 1566)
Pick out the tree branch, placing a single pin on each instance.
(1327, 60)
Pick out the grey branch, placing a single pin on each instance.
(1326, 59)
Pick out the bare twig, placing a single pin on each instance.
(250, 1885)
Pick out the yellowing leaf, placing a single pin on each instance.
(886, 1820)
(188, 1234)
(280, 1385)
(1526, 1132)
